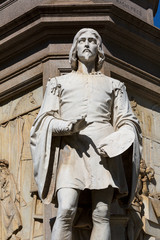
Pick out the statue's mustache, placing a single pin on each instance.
(86, 49)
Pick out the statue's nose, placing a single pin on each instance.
(86, 43)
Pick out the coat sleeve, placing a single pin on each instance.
(123, 118)
(41, 143)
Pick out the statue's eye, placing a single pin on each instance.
(92, 40)
(82, 40)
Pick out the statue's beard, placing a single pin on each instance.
(88, 57)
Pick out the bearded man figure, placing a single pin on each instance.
(85, 137)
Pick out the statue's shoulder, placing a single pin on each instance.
(53, 82)
(116, 84)
(57, 78)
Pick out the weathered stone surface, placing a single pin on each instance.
(148, 113)
(10, 217)
(156, 206)
(15, 148)
(21, 105)
(139, 9)
(149, 212)
(151, 228)
(12, 145)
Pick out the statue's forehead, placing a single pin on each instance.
(87, 34)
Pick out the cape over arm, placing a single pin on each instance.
(41, 137)
(122, 111)
(123, 117)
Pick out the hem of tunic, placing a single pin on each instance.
(117, 193)
(90, 188)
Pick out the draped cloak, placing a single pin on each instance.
(105, 103)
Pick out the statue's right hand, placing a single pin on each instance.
(61, 127)
(79, 124)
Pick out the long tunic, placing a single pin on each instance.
(77, 164)
(80, 165)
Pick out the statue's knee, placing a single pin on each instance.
(66, 214)
(101, 214)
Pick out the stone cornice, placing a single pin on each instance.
(58, 24)
(135, 78)
(56, 18)
(13, 90)
(143, 81)
(64, 10)
(136, 71)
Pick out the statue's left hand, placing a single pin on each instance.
(117, 142)
(102, 152)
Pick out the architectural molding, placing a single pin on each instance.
(19, 88)
(41, 17)
(31, 39)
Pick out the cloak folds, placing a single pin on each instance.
(42, 146)
(45, 147)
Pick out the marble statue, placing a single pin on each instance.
(85, 137)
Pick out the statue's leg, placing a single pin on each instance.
(67, 206)
(101, 201)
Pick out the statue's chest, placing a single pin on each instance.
(91, 96)
(89, 89)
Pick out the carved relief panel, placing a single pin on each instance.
(21, 212)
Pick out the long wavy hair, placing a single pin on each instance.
(73, 59)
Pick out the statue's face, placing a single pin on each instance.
(87, 48)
